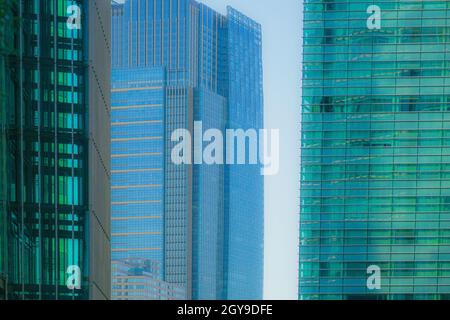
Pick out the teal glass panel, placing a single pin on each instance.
(375, 143)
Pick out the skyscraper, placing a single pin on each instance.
(54, 150)
(375, 197)
(139, 279)
(176, 62)
(5, 49)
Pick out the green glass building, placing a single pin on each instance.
(375, 168)
(54, 149)
(6, 24)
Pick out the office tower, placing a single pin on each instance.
(5, 50)
(142, 280)
(201, 226)
(375, 202)
(54, 150)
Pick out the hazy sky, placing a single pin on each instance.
(281, 27)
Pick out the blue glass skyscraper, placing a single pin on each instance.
(199, 226)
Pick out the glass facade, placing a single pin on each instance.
(137, 133)
(139, 279)
(204, 209)
(208, 206)
(45, 154)
(6, 48)
(244, 185)
(375, 171)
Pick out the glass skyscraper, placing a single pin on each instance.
(199, 226)
(375, 171)
(139, 279)
(6, 48)
(54, 150)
